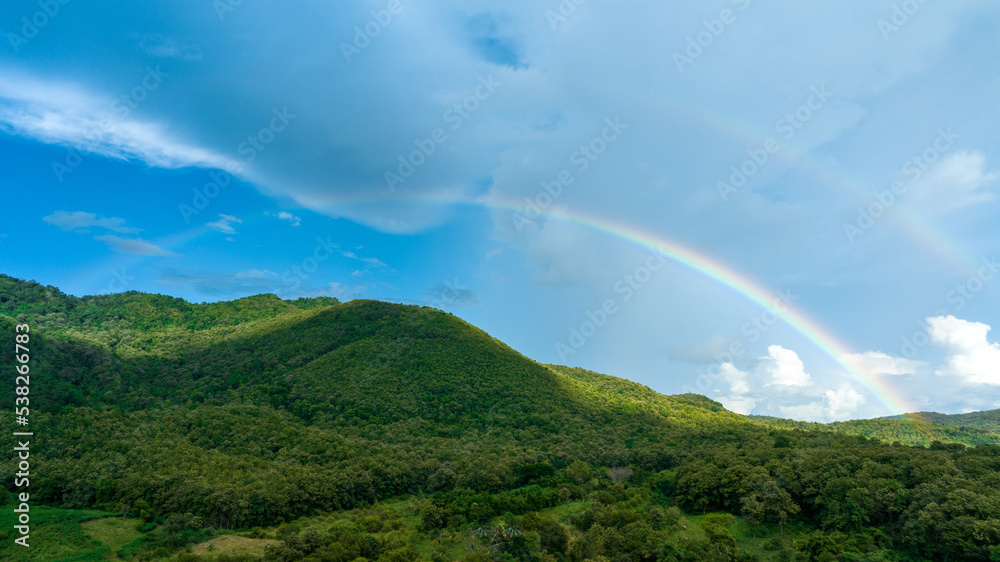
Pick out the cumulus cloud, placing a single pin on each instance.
(972, 358)
(836, 405)
(742, 405)
(135, 246)
(81, 220)
(224, 224)
(782, 368)
(879, 363)
(842, 402)
(736, 378)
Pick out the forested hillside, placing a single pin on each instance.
(197, 420)
(920, 429)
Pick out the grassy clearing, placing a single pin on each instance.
(56, 535)
(112, 532)
(232, 544)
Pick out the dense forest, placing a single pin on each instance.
(365, 430)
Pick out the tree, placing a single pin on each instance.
(769, 502)
(578, 471)
(619, 473)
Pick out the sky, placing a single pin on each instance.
(788, 207)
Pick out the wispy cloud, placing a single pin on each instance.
(135, 246)
(162, 46)
(255, 274)
(82, 220)
(959, 180)
(221, 285)
(61, 113)
(224, 224)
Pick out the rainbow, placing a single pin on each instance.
(704, 265)
(696, 261)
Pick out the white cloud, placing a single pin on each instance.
(375, 262)
(973, 359)
(296, 221)
(841, 403)
(736, 378)
(740, 404)
(80, 219)
(133, 246)
(836, 405)
(879, 363)
(783, 368)
(224, 224)
(64, 114)
(812, 411)
(286, 216)
(958, 181)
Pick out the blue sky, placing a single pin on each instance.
(845, 154)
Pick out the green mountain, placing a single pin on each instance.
(920, 429)
(988, 420)
(396, 432)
